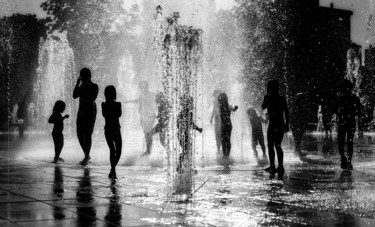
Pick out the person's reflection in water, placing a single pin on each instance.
(58, 191)
(346, 180)
(113, 215)
(85, 207)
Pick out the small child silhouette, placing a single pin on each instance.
(111, 111)
(278, 115)
(226, 123)
(58, 121)
(256, 130)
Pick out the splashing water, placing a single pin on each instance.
(54, 79)
(180, 57)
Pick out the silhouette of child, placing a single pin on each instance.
(163, 118)
(348, 107)
(58, 126)
(277, 109)
(226, 123)
(298, 119)
(111, 111)
(256, 130)
(185, 125)
(146, 109)
(215, 115)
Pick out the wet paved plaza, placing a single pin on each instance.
(313, 192)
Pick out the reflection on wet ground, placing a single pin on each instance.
(312, 192)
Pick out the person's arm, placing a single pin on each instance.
(233, 108)
(104, 110)
(76, 91)
(214, 112)
(195, 127)
(265, 102)
(51, 119)
(286, 112)
(119, 111)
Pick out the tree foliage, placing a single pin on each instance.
(99, 31)
(264, 26)
(19, 43)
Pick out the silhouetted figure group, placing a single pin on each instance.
(87, 92)
(346, 110)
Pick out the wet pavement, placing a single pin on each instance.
(314, 191)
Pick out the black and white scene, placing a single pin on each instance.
(187, 113)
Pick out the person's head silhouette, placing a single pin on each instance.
(216, 93)
(85, 75)
(273, 87)
(110, 93)
(223, 99)
(59, 106)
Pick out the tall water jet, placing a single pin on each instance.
(180, 61)
(55, 79)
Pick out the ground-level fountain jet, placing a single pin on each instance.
(54, 80)
(179, 50)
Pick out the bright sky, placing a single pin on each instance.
(362, 33)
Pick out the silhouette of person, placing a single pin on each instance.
(185, 125)
(163, 116)
(226, 124)
(58, 126)
(298, 119)
(146, 111)
(348, 107)
(256, 130)
(278, 116)
(215, 115)
(111, 111)
(87, 92)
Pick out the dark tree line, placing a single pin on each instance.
(19, 42)
(99, 33)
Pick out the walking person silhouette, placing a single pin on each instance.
(348, 107)
(146, 109)
(58, 126)
(87, 92)
(111, 111)
(278, 117)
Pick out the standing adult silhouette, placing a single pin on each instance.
(87, 92)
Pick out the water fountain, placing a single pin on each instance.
(55, 79)
(180, 56)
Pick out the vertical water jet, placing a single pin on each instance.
(179, 50)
